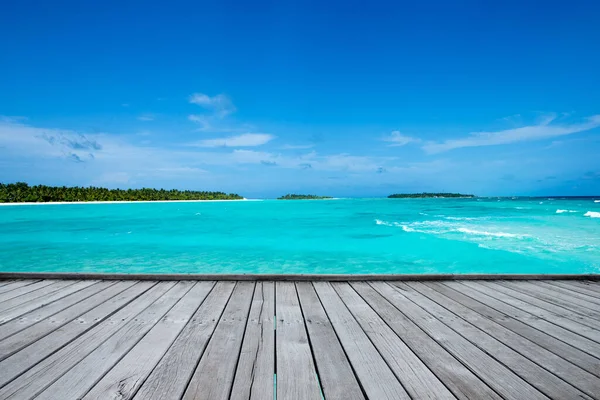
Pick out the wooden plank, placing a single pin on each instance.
(501, 302)
(532, 373)
(296, 373)
(376, 378)
(77, 381)
(335, 373)
(478, 302)
(504, 381)
(588, 285)
(5, 282)
(35, 316)
(414, 375)
(580, 287)
(43, 301)
(214, 375)
(38, 323)
(12, 294)
(35, 296)
(582, 300)
(12, 285)
(545, 310)
(570, 374)
(461, 381)
(48, 358)
(172, 374)
(254, 377)
(567, 302)
(126, 377)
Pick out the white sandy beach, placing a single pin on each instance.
(122, 202)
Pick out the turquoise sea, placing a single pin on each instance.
(341, 236)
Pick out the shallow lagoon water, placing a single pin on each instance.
(345, 236)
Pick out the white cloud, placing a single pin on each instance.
(243, 140)
(543, 130)
(297, 146)
(398, 139)
(147, 117)
(220, 104)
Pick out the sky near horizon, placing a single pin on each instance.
(264, 98)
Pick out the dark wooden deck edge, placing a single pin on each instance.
(295, 277)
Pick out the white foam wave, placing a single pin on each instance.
(592, 214)
(596, 201)
(486, 233)
(461, 218)
(565, 211)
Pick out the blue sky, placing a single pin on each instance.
(340, 98)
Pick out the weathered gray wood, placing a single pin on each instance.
(77, 381)
(478, 302)
(43, 339)
(23, 290)
(296, 372)
(5, 282)
(34, 326)
(213, 378)
(335, 373)
(254, 377)
(583, 299)
(12, 285)
(500, 378)
(501, 302)
(44, 300)
(376, 378)
(172, 374)
(579, 287)
(460, 380)
(414, 375)
(35, 316)
(45, 372)
(582, 304)
(575, 376)
(592, 286)
(126, 377)
(530, 372)
(545, 310)
(294, 277)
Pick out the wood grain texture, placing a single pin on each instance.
(35, 316)
(335, 372)
(331, 339)
(171, 376)
(570, 375)
(78, 380)
(478, 302)
(296, 372)
(461, 381)
(496, 375)
(125, 378)
(214, 375)
(45, 372)
(254, 377)
(376, 378)
(415, 376)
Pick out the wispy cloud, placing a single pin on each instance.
(398, 139)
(220, 104)
(297, 146)
(147, 117)
(543, 130)
(244, 140)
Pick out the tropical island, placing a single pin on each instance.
(303, 197)
(21, 192)
(428, 195)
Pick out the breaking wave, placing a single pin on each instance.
(592, 214)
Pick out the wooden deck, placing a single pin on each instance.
(110, 339)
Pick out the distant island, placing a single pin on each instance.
(303, 197)
(21, 192)
(428, 195)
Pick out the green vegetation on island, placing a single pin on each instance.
(303, 197)
(428, 195)
(21, 192)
